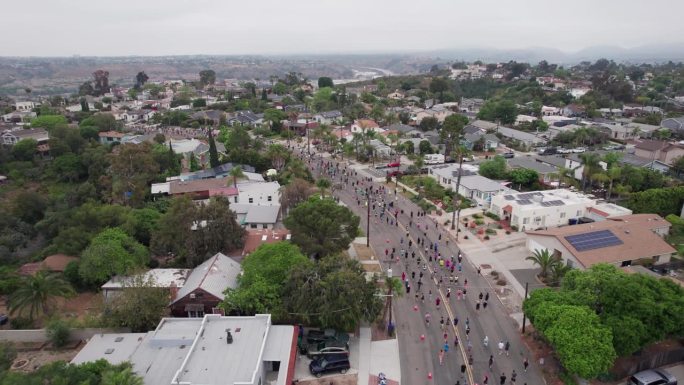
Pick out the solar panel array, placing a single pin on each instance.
(529, 195)
(552, 203)
(524, 202)
(509, 197)
(593, 240)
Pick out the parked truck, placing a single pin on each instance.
(434, 159)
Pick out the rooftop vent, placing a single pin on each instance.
(229, 337)
(118, 339)
(109, 351)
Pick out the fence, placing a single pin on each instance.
(648, 360)
(40, 335)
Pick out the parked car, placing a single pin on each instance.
(329, 363)
(326, 348)
(4, 319)
(562, 150)
(316, 335)
(395, 164)
(394, 173)
(579, 150)
(509, 155)
(549, 151)
(653, 377)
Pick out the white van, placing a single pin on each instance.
(434, 159)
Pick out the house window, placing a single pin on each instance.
(251, 200)
(253, 226)
(526, 221)
(265, 226)
(235, 199)
(196, 314)
(269, 198)
(579, 212)
(562, 215)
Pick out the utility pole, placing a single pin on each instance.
(308, 142)
(454, 219)
(368, 203)
(524, 319)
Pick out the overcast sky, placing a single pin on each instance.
(166, 27)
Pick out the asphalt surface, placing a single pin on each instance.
(420, 342)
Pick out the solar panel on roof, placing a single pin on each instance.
(593, 240)
(524, 202)
(509, 197)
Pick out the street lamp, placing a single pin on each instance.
(368, 203)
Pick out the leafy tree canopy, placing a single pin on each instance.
(110, 253)
(322, 227)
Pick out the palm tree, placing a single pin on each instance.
(544, 260)
(278, 155)
(558, 271)
(323, 184)
(236, 173)
(613, 174)
(36, 294)
(121, 377)
(590, 161)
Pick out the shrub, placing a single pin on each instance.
(490, 231)
(479, 221)
(477, 216)
(514, 228)
(7, 355)
(486, 237)
(501, 282)
(494, 273)
(20, 323)
(499, 227)
(508, 232)
(58, 333)
(493, 216)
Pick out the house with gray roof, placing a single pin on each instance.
(491, 142)
(525, 138)
(480, 189)
(674, 124)
(546, 171)
(328, 117)
(256, 217)
(204, 288)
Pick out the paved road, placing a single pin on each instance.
(421, 357)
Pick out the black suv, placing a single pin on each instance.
(329, 363)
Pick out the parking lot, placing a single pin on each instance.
(303, 375)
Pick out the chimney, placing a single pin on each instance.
(229, 337)
(173, 289)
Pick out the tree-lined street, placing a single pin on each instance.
(419, 250)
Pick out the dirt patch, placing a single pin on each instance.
(81, 306)
(372, 267)
(30, 361)
(343, 379)
(363, 253)
(540, 350)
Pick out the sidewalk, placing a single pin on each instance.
(377, 357)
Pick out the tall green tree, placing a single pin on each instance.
(193, 234)
(332, 293)
(265, 272)
(207, 77)
(321, 227)
(323, 184)
(325, 81)
(111, 252)
(36, 294)
(494, 168)
(140, 305)
(451, 131)
(213, 153)
(133, 168)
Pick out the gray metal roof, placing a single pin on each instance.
(214, 276)
(532, 164)
(115, 348)
(480, 183)
(262, 214)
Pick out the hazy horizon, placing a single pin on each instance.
(327, 27)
